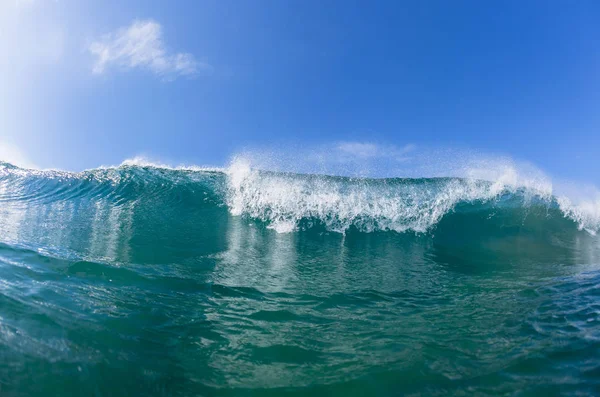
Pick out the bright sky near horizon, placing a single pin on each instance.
(87, 83)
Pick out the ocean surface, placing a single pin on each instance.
(144, 280)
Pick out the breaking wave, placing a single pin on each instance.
(288, 202)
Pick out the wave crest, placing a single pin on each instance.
(284, 201)
(287, 202)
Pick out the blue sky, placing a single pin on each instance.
(88, 83)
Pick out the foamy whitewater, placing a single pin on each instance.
(284, 200)
(349, 270)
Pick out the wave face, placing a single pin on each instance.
(289, 202)
(142, 279)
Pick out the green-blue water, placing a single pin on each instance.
(146, 281)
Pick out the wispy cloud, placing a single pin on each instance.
(367, 150)
(141, 45)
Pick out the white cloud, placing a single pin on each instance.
(141, 45)
(359, 149)
(367, 150)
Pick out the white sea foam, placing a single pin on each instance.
(582, 204)
(285, 200)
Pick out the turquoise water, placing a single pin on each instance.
(140, 280)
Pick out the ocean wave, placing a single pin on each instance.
(284, 200)
(287, 202)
